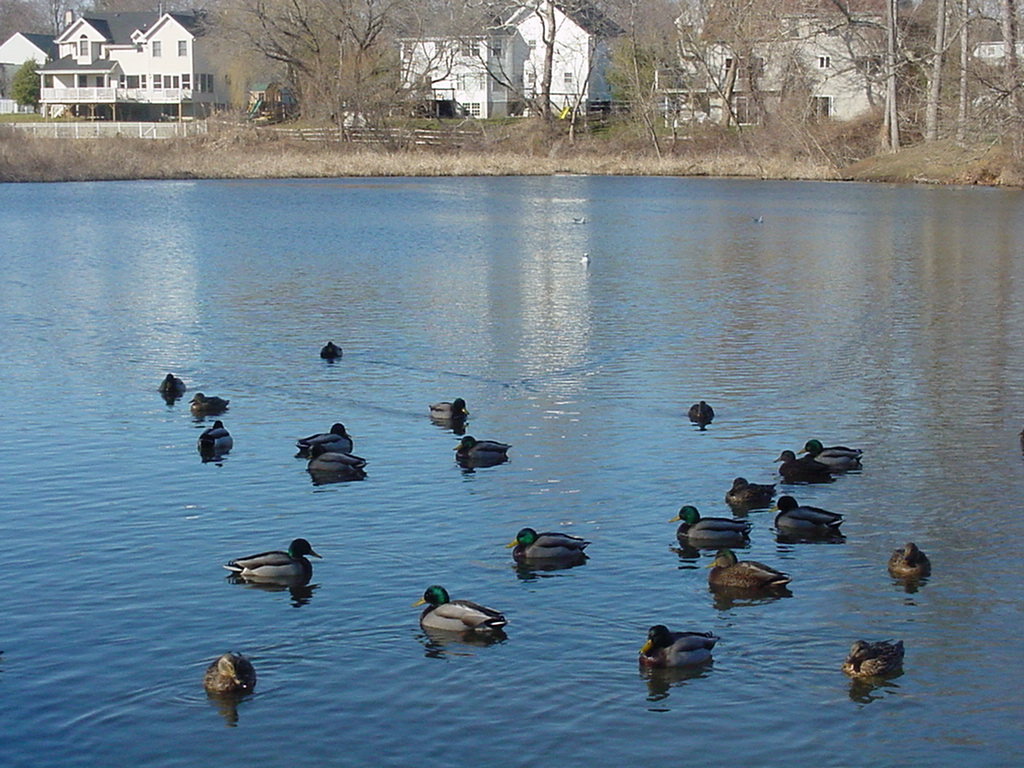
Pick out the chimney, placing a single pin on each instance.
(69, 16)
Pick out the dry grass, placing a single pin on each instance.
(515, 149)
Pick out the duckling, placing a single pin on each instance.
(803, 470)
(837, 458)
(697, 531)
(328, 461)
(202, 405)
(449, 615)
(231, 673)
(874, 659)
(276, 565)
(216, 440)
(530, 545)
(701, 414)
(676, 649)
(746, 495)
(172, 386)
(337, 441)
(909, 562)
(481, 453)
(727, 571)
(796, 518)
(445, 411)
(330, 351)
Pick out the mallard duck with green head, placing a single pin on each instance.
(276, 565)
(837, 458)
(172, 386)
(231, 673)
(697, 531)
(201, 405)
(746, 495)
(874, 659)
(216, 440)
(481, 453)
(793, 517)
(802, 470)
(449, 411)
(528, 545)
(337, 440)
(325, 461)
(909, 562)
(676, 649)
(443, 613)
(727, 571)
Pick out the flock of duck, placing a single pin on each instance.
(331, 460)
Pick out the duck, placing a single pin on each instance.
(837, 458)
(585, 259)
(697, 531)
(481, 452)
(749, 495)
(276, 565)
(803, 470)
(326, 460)
(796, 518)
(230, 673)
(547, 546)
(201, 405)
(727, 571)
(676, 649)
(215, 440)
(172, 386)
(701, 413)
(909, 562)
(338, 440)
(330, 351)
(874, 659)
(445, 411)
(449, 615)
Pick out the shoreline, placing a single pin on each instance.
(25, 159)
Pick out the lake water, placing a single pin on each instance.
(889, 318)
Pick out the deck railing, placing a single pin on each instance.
(102, 130)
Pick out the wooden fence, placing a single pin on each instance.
(454, 138)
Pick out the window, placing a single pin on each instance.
(744, 110)
(467, 48)
(868, 66)
(461, 82)
(567, 79)
(530, 77)
(83, 81)
(821, 107)
(183, 47)
(83, 47)
(496, 50)
(186, 81)
(133, 81)
(531, 44)
(158, 81)
(142, 81)
(170, 81)
(824, 62)
(474, 109)
(157, 49)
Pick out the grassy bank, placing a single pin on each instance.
(232, 152)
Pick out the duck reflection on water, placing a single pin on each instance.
(660, 680)
(440, 644)
(299, 588)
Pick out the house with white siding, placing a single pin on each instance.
(133, 66)
(14, 52)
(498, 73)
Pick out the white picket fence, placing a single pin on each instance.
(106, 130)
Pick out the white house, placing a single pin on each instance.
(14, 52)
(499, 73)
(133, 66)
(827, 54)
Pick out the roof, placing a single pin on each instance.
(119, 27)
(70, 64)
(42, 42)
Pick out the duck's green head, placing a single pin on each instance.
(526, 537)
(459, 407)
(813, 447)
(739, 482)
(658, 636)
(301, 547)
(688, 515)
(339, 429)
(435, 595)
(466, 443)
(724, 558)
(785, 504)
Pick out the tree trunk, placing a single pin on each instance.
(892, 124)
(961, 112)
(931, 121)
(730, 86)
(1008, 23)
(548, 35)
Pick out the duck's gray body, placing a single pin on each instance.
(338, 440)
